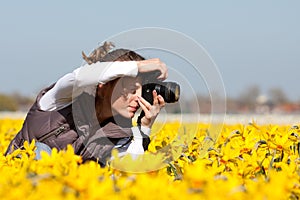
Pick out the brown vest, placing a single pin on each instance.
(75, 124)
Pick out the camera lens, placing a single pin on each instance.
(170, 91)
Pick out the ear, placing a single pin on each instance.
(100, 86)
(101, 90)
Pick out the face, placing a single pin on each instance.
(124, 98)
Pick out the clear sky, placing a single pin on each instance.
(252, 42)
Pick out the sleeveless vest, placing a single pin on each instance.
(77, 125)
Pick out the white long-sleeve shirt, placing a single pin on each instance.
(86, 79)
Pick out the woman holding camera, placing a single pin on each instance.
(92, 108)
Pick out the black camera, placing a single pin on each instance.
(170, 91)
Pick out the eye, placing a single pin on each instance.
(132, 89)
(125, 92)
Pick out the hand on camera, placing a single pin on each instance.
(151, 111)
(153, 65)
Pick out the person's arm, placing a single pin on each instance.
(84, 79)
(151, 112)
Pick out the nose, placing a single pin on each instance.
(135, 97)
(132, 97)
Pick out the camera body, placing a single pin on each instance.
(170, 91)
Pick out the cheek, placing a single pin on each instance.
(119, 103)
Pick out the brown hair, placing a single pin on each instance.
(103, 54)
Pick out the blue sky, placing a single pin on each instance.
(251, 42)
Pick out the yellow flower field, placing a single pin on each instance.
(243, 162)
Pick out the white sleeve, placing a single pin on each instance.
(84, 79)
(136, 146)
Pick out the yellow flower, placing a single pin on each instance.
(184, 161)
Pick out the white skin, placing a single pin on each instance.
(125, 99)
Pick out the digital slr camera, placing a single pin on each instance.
(170, 91)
